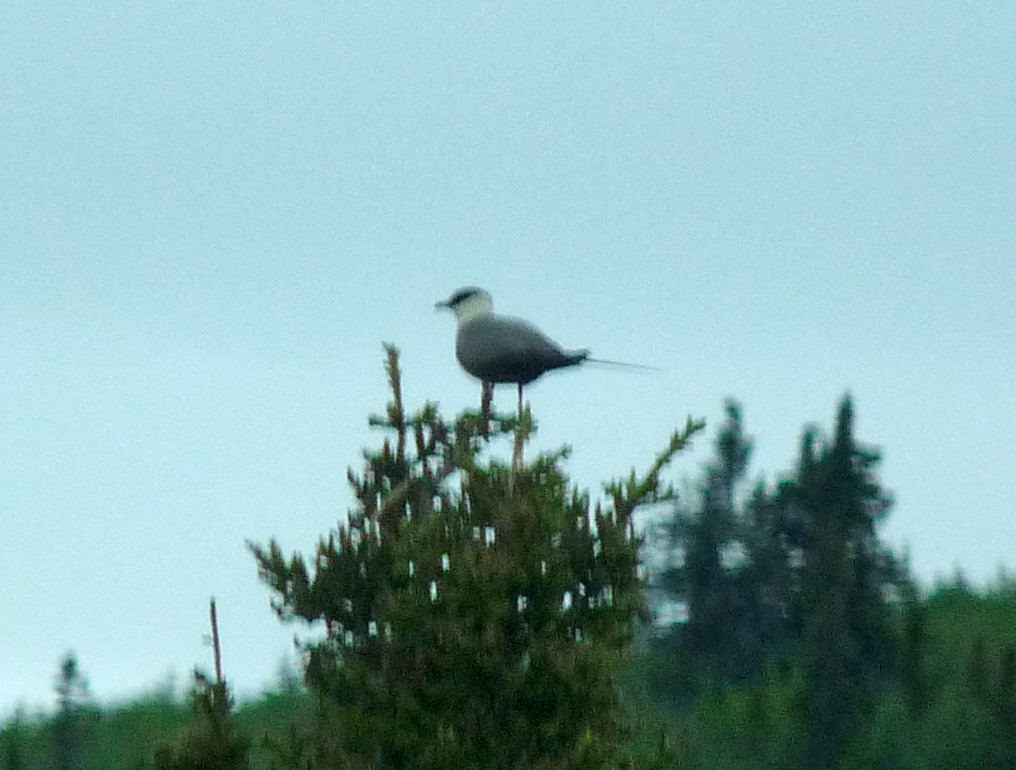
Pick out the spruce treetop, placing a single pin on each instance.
(473, 613)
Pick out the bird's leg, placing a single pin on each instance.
(486, 398)
(517, 454)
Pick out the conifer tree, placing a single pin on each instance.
(70, 724)
(714, 601)
(768, 581)
(990, 680)
(719, 643)
(848, 642)
(473, 615)
(811, 587)
(211, 741)
(11, 746)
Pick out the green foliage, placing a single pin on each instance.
(742, 726)
(965, 721)
(848, 644)
(474, 625)
(475, 678)
(128, 733)
(791, 580)
(723, 575)
(212, 740)
(12, 744)
(125, 737)
(73, 723)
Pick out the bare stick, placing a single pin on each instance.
(216, 650)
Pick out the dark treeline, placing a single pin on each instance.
(805, 641)
(791, 583)
(499, 623)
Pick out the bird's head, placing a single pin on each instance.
(468, 303)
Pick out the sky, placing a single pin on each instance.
(213, 215)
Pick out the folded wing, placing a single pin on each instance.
(496, 348)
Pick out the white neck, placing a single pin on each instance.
(473, 307)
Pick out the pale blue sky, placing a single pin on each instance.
(211, 216)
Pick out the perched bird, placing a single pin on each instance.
(496, 348)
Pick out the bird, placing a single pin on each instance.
(501, 349)
(495, 349)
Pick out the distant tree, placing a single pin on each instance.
(848, 642)
(706, 536)
(12, 753)
(70, 724)
(211, 741)
(769, 580)
(1002, 707)
(990, 680)
(914, 677)
(792, 592)
(731, 569)
(473, 616)
(713, 558)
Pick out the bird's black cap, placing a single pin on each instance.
(462, 294)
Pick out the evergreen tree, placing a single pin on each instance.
(474, 624)
(808, 599)
(712, 546)
(718, 568)
(1002, 707)
(914, 677)
(848, 641)
(768, 580)
(211, 741)
(990, 687)
(70, 725)
(11, 744)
